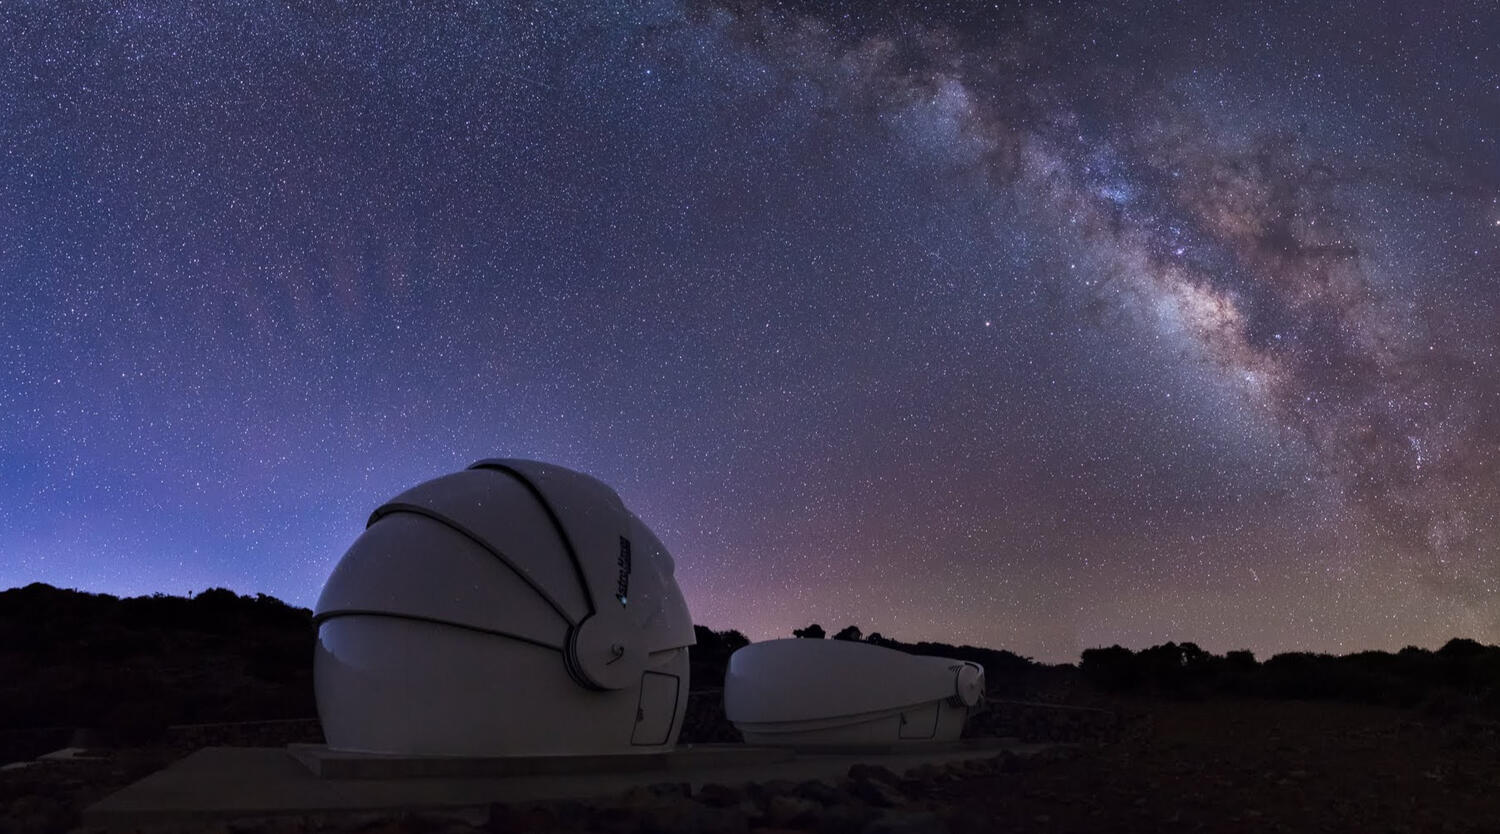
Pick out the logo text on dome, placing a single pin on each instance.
(622, 585)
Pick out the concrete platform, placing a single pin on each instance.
(341, 764)
(237, 782)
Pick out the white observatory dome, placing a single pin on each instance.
(800, 692)
(513, 608)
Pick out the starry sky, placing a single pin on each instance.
(1031, 325)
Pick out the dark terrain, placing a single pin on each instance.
(1171, 738)
(124, 669)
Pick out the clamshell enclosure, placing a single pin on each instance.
(810, 693)
(513, 608)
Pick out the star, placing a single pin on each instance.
(270, 267)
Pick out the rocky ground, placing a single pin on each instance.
(1259, 766)
(1235, 766)
(47, 797)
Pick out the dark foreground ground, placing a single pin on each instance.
(1259, 766)
(1235, 766)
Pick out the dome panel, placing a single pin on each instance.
(387, 685)
(416, 566)
(590, 513)
(654, 595)
(622, 561)
(501, 511)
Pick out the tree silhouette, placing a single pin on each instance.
(849, 633)
(710, 656)
(1241, 660)
(812, 632)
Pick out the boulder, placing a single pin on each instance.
(907, 823)
(792, 810)
(866, 772)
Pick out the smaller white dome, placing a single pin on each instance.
(802, 692)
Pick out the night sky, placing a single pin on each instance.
(1031, 325)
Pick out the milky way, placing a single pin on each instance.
(1039, 326)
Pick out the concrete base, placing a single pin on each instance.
(237, 782)
(342, 764)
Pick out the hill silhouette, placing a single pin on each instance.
(129, 667)
(134, 665)
(1462, 675)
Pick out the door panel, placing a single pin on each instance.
(657, 709)
(920, 722)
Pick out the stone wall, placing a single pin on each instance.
(246, 734)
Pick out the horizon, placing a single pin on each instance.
(865, 636)
(1050, 328)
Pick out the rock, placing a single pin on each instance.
(956, 774)
(33, 815)
(820, 792)
(980, 766)
(572, 814)
(844, 819)
(970, 821)
(926, 772)
(1008, 762)
(672, 790)
(499, 818)
(903, 823)
(720, 796)
(472, 817)
(537, 817)
(763, 791)
(342, 822)
(692, 818)
(918, 787)
(865, 772)
(878, 793)
(384, 825)
(750, 810)
(657, 793)
(957, 767)
(792, 810)
(1056, 754)
(616, 818)
(436, 824)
